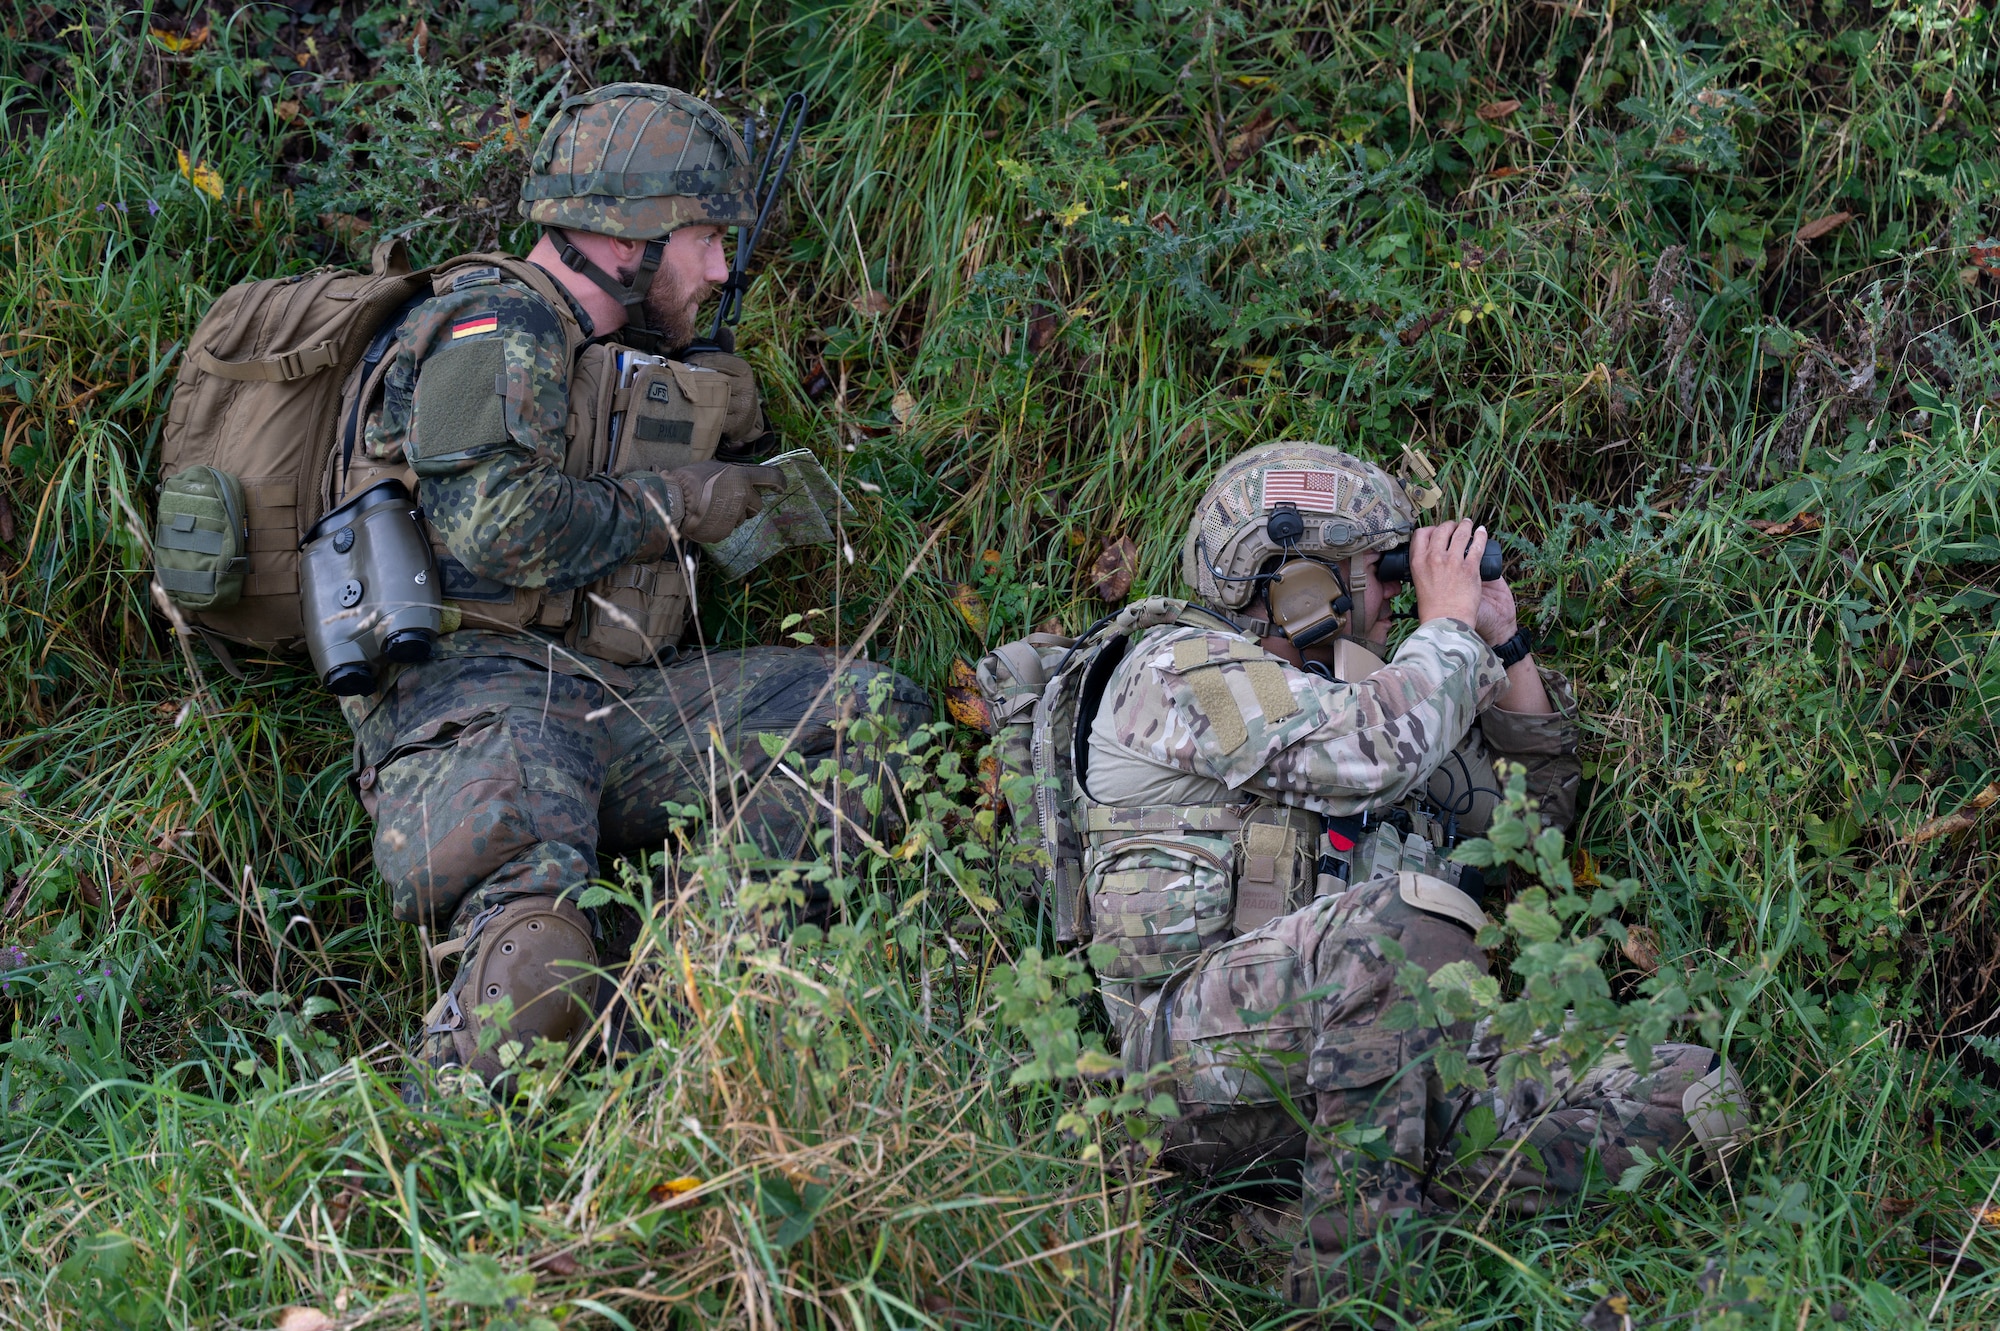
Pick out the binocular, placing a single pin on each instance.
(1394, 565)
(368, 588)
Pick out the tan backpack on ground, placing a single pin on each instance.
(258, 400)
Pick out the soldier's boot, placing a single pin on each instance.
(1717, 1113)
(536, 952)
(1344, 1286)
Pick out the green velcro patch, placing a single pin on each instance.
(457, 413)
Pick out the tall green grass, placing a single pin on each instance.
(1043, 266)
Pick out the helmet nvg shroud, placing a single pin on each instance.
(639, 161)
(1286, 517)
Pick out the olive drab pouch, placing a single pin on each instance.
(658, 415)
(201, 538)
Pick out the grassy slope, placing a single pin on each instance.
(1100, 247)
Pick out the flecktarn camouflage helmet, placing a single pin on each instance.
(640, 161)
(1349, 506)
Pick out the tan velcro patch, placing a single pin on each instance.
(1189, 653)
(1218, 704)
(1274, 695)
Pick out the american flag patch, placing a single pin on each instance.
(485, 323)
(1314, 491)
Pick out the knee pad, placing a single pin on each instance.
(536, 951)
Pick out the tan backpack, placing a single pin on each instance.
(262, 439)
(257, 401)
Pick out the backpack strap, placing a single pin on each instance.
(269, 369)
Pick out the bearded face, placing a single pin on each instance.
(671, 306)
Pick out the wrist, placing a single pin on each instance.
(1495, 636)
(1513, 650)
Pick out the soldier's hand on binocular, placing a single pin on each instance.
(1497, 621)
(1444, 568)
(717, 496)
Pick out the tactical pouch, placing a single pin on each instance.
(657, 416)
(1161, 883)
(1279, 864)
(201, 538)
(1011, 678)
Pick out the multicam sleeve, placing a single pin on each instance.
(1231, 712)
(1545, 745)
(487, 439)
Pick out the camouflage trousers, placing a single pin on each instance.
(1282, 1027)
(492, 778)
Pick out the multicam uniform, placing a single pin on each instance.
(499, 770)
(1247, 947)
(1289, 1009)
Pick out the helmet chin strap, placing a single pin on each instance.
(631, 295)
(1357, 624)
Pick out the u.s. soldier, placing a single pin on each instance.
(1263, 804)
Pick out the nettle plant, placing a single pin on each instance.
(1562, 1011)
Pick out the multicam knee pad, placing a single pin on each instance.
(536, 951)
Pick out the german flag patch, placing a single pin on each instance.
(485, 323)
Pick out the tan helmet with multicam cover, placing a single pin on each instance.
(1349, 506)
(640, 161)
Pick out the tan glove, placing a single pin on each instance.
(745, 422)
(711, 499)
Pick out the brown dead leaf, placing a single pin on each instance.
(1985, 254)
(1797, 526)
(345, 226)
(1821, 226)
(1160, 221)
(1041, 329)
(963, 700)
(1963, 819)
(288, 111)
(965, 599)
(903, 408)
(1499, 110)
(989, 783)
(1583, 868)
(1052, 625)
(304, 1319)
(1111, 575)
(342, 1203)
(1247, 142)
(559, 1263)
(871, 303)
(1642, 948)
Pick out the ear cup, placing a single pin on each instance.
(1306, 601)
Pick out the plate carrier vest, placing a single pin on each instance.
(1161, 884)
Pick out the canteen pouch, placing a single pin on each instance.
(201, 538)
